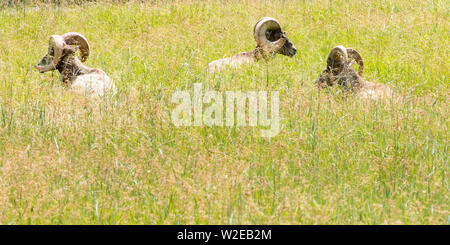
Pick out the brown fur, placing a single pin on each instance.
(70, 66)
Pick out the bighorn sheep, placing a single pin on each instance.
(61, 56)
(270, 39)
(339, 71)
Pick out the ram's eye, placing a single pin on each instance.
(51, 51)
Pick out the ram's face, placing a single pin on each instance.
(46, 61)
(288, 48)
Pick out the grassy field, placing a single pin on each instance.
(67, 159)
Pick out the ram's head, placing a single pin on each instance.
(339, 68)
(271, 38)
(61, 46)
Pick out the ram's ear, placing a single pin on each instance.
(69, 50)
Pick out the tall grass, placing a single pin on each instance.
(65, 159)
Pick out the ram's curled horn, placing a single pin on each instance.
(259, 32)
(75, 38)
(338, 51)
(353, 54)
(336, 59)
